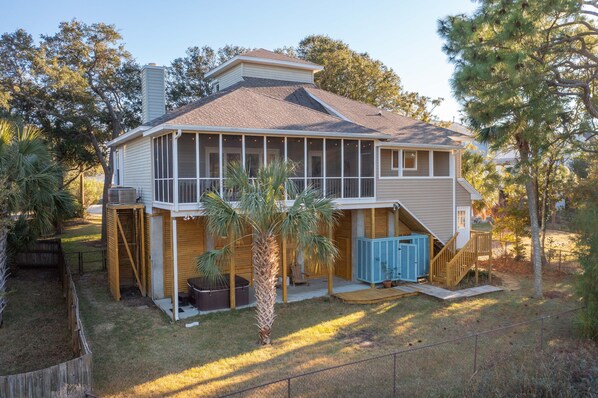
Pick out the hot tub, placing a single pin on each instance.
(209, 295)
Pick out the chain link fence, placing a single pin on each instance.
(453, 367)
(86, 261)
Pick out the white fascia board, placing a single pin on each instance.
(237, 130)
(264, 61)
(129, 135)
(421, 146)
(475, 195)
(328, 107)
(461, 138)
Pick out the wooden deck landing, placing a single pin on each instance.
(373, 295)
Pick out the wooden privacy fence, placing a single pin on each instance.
(68, 379)
(43, 253)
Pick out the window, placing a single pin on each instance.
(395, 160)
(409, 160)
(461, 219)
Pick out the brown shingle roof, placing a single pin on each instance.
(240, 107)
(403, 129)
(263, 53)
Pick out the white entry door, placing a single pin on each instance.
(463, 225)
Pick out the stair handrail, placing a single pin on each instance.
(461, 262)
(443, 256)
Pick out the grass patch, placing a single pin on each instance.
(35, 334)
(83, 235)
(139, 352)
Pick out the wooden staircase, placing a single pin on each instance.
(451, 265)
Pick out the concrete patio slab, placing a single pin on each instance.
(445, 294)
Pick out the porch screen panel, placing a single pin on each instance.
(163, 170)
(367, 169)
(315, 163)
(296, 155)
(333, 168)
(274, 149)
(254, 154)
(232, 147)
(187, 168)
(351, 169)
(209, 163)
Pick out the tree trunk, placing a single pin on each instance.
(3, 269)
(265, 266)
(107, 185)
(532, 204)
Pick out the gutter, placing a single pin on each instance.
(238, 130)
(423, 146)
(129, 135)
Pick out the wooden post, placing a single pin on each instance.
(142, 243)
(431, 244)
(396, 222)
(116, 262)
(232, 291)
(284, 271)
(175, 268)
(475, 248)
(490, 260)
(373, 223)
(330, 266)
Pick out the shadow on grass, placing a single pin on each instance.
(138, 352)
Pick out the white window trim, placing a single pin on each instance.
(392, 159)
(409, 168)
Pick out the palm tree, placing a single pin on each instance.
(29, 188)
(263, 213)
(483, 176)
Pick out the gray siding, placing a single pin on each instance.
(137, 169)
(462, 196)
(231, 76)
(278, 73)
(429, 200)
(153, 92)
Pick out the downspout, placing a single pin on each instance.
(175, 164)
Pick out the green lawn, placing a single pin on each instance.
(139, 352)
(83, 236)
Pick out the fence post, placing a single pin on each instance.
(80, 258)
(394, 376)
(103, 259)
(288, 386)
(475, 355)
(560, 254)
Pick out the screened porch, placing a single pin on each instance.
(188, 164)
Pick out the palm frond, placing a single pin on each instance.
(211, 264)
(319, 250)
(223, 219)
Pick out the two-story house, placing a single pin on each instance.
(392, 176)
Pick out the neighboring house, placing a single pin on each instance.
(389, 174)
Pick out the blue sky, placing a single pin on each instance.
(400, 33)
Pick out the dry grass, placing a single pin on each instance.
(139, 352)
(35, 333)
